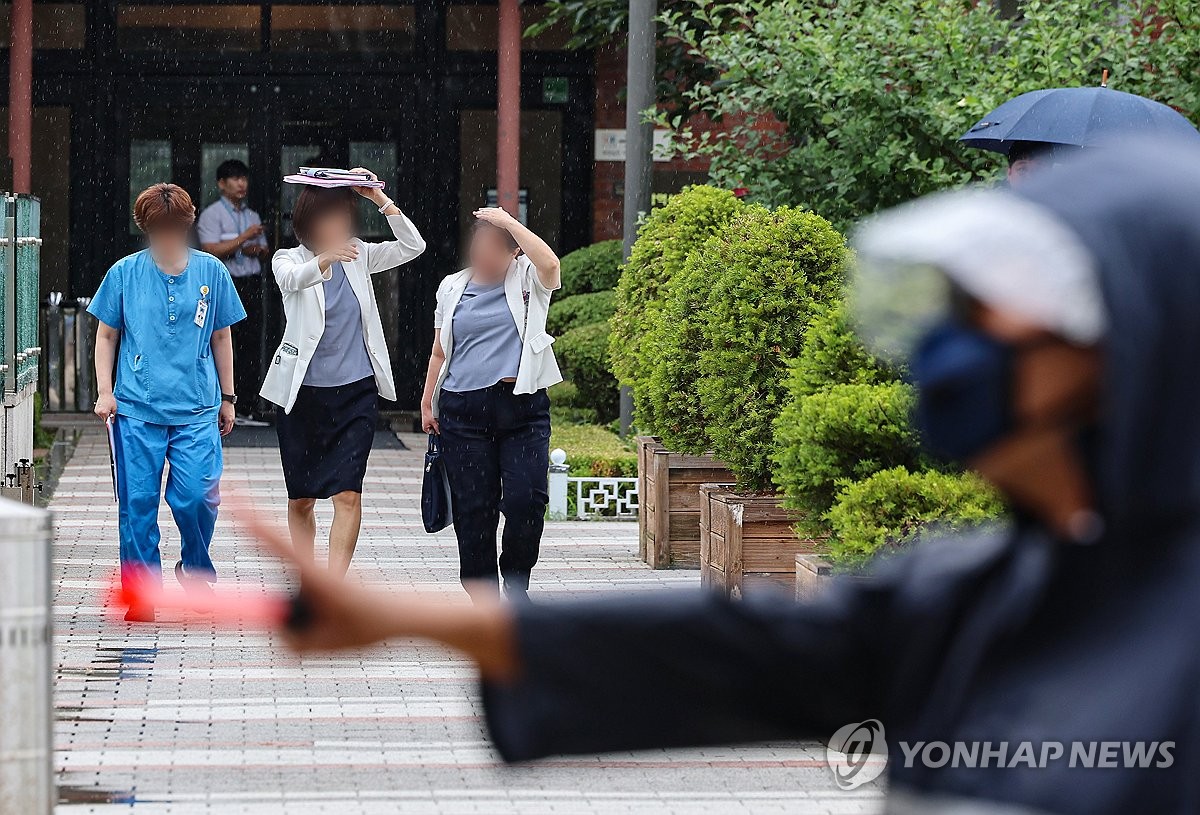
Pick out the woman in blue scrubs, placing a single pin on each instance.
(164, 315)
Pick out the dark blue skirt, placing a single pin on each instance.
(326, 439)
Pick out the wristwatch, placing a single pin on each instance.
(229, 397)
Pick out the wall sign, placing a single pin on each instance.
(610, 144)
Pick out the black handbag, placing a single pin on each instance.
(435, 489)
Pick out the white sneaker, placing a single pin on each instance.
(249, 421)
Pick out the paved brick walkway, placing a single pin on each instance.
(192, 719)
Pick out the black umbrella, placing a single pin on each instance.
(1084, 117)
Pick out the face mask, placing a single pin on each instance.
(964, 381)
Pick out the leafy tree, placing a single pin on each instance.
(855, 105)
(595, 23)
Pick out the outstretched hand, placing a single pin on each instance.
(332, 615)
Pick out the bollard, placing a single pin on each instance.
(558, 484)
(26, 705)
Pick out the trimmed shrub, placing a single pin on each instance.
(832, 355)
(670, 233)
(581, 309)
(842, 434)
(591, 269)
(669, 391)
(583, 356)
(594, 450)
(565, 407)
(892, 507)
(764, 277)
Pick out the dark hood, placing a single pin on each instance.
(1138, 210)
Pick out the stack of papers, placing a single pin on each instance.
(332, 177)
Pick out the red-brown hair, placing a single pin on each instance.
(163, 205)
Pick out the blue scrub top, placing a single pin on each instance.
(165, 370)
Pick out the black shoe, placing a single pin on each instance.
(140, 614)
(516, 594)
(193, 585)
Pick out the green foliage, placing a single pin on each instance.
(583, 356)
(597, 23)
(670, 233)
(591, 269)
(566, 407)
(582, 309)
(832, 355)
(853, 106)
(595, 450)
(669, 392)
(891, 508)
(764, 276)
(43, 437)
(827, 439)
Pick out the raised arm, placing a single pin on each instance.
(537, 250)
(295, 276)
(408, 243)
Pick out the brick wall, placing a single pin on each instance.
(608, 177)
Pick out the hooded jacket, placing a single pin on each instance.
(1007, 636)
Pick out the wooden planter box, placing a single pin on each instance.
(748, 542)
(669, 516)
(814, 574)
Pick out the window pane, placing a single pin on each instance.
(211, 156)
(55, 25)
(187, 28)
(149, 163)
(341, 28)
(291, 158)
(477, 28)
(380, 157)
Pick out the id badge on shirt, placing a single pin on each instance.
(201, 312)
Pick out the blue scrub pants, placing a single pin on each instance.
(193, 452)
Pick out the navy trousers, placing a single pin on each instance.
(496, 448)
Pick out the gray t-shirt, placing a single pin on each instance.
(341, 355)
(487, 346)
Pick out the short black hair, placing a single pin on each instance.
(1030, 151)
(232, 168)
(315, 202)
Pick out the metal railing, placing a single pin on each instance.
(20, 349)
(589, 496)
(68, 381)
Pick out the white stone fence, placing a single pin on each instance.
(589, 496)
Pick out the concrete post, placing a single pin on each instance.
(639, 138)
(558, 483)
(26, 705)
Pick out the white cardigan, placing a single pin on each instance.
(538, 368)
(300, 278)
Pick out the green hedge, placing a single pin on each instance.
(839, 435)
(591, 269)
(764, 277)
(594, 450)
(583, 356)
(832, 355)
(891, 508)
(670, 233)
(567, 408)
(581, 309)
(669, 391)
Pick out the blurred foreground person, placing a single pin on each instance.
(1053, 334)
(165, 315)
